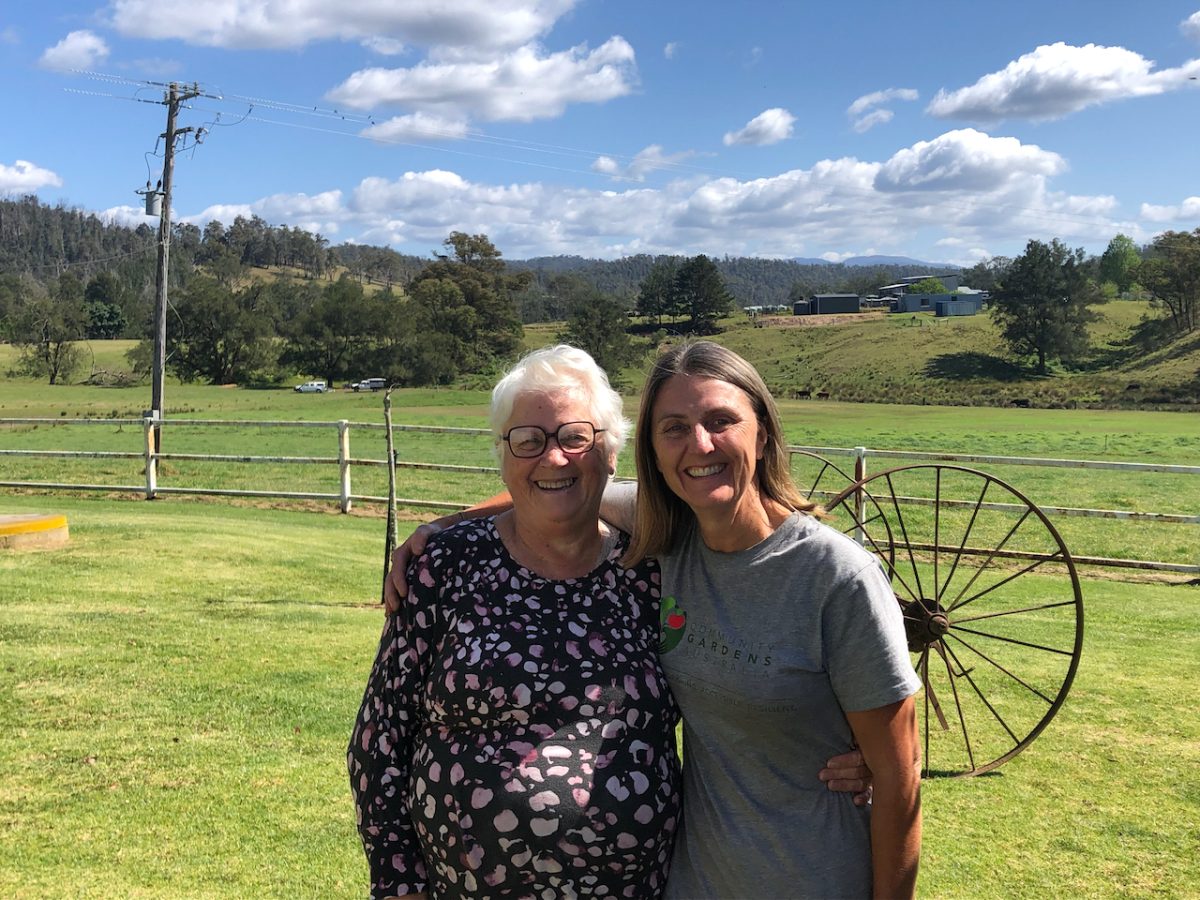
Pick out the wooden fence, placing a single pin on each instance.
(856, 458)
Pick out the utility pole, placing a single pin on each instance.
(174, 98)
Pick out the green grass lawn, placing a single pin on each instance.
(177, 687)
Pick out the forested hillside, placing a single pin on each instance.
(254, 303)
(40, 241)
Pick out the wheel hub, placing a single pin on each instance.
(925, 622)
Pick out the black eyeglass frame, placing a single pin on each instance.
(547, 435)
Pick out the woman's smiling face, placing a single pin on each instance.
(707, 443)
(555, 486)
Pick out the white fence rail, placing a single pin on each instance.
(344, 461)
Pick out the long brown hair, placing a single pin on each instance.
(661, 515)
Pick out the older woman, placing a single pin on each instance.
(784, 646)
(516, 737)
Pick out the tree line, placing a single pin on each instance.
(353, 309)
(1042, 300)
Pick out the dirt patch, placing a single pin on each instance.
(818, 321)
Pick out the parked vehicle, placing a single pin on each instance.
(370, 384)
(311, 387)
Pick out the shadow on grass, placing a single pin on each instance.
(1148, 336)
(961, 366)
(955, 773)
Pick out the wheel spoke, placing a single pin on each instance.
(942, 650)
(966, 536)
(971, 681)
(1029, 568)
(1013, 612)
(937, 521)
(1008, 640)
(904, 534)
(991, 556)
(882, 552)
(820, 474)
(1015, 678)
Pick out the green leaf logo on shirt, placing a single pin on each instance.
(673, 623)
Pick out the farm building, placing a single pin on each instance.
(826, 304)
(958, 305)
(915, 303)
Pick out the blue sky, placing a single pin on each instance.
(945, 130)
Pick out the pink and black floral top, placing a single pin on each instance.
(517, 736)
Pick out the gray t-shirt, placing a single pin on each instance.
(778, 642)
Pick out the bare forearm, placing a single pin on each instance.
(887, 737)
(895, 835)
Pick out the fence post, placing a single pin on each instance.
(860, 473)
(344, 464)
(148, 429)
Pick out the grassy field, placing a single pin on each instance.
(906, 359)
(1118, 435)
(177, 687)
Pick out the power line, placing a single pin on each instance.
(95, 260)
(478, 137)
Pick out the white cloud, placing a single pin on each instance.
(1056, 80)
(521, 86)
(649, 159)
(606, 165)
(878, 98)
(416, 127)
(129, 216)
(965, 160)
(864, 112)
(962, 186)
(23, 176)
(324, 212)
(1189, 210)
(873, 118)
(384, 46)
(469, 25)
(671, 49)
(224, 213)
(1191, 26)
(834, 256)
(768, 127)
(284, 207)
(78, 50)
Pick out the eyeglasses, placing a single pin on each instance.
(529, 441)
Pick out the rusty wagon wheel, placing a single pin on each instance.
(992, 607)
(822, 482)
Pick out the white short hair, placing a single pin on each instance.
(563, 368)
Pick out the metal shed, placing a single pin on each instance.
(825, 304)
(958, 306)
(914, 303)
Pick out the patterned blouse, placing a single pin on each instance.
(517, 736)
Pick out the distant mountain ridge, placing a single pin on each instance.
(875, 261)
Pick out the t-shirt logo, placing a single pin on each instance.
(672, 622)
